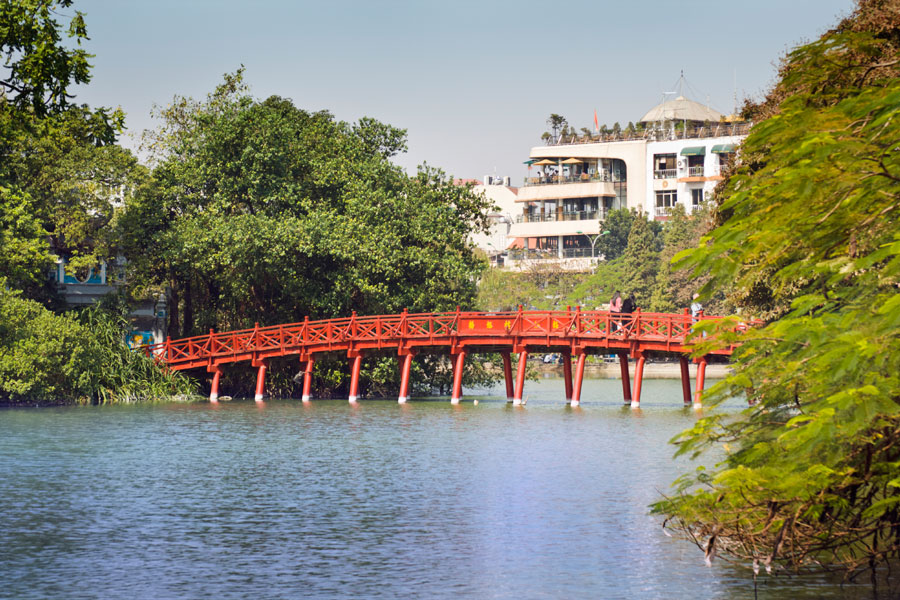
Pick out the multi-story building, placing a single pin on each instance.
(497, 190)
(676, 157)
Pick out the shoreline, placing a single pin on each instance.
(652, 370)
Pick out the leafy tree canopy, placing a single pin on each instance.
(259, 211)
(808, 238)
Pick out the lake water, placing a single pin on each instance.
(378, 500)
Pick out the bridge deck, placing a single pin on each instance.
(576, 331)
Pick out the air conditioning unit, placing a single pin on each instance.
(681, 164)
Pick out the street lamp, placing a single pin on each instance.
(593, 239)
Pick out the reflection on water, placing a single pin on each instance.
(377, 500)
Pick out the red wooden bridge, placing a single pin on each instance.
(572, 333)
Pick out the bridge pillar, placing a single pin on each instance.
(354, 377)
(520, 378)
(579, 379)
(404, 377)
(214, 388)
(685, 380)
(507, 375)
(626, 378)
(307, 377)
(638, 380)
(260, 380)
(460, 363)
(567, 374)
(701, 377)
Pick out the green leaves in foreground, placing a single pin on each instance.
(809, 240)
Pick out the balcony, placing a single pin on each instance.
(664, 211)
(695, 171)
(583, 215)
(665, 173)
(604, 177)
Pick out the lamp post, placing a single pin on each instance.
(593, 239)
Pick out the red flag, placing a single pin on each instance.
(596, 124)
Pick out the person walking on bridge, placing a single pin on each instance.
(615, 309)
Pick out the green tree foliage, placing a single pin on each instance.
(674, 288)
(641, 261)
(808, 237)
(618, 223)
(261, 212)
(57, 159)
(45, 357)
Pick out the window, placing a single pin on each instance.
(664, 166)
(696, 198)
(664, 203)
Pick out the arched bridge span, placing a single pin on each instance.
(572, 333)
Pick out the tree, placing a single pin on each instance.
(259, 211)
(58, 160)
(618, 222)
(641, 260)
(556, 123)
(675, 288)
(807, 236)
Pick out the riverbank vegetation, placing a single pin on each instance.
(807, 238)
(252, 211)
(639, 256)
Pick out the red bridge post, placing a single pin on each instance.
(507, 375)
(567, 373)
(260, 379)
(354, 376)
(404, 376)
(214, 388)
(701, 377)
(456, 394)
(626, 378)
(579, 379)
(307, 377)
(520, 378)
(638, 380)
(685, 379)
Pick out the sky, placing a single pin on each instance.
(472, 82)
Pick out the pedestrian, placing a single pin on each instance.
(696, 307)
(615, 303)
(615, 309)
(628, 307)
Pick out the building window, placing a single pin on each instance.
(696, 198)
(665, 201)
(664, 166)
(695, 166)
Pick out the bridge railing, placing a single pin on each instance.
(637, 326)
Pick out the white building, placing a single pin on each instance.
(675, 158)
(503, 196)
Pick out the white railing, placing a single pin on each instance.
(665, 173)
(695, 171)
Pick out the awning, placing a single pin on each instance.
(694, 151)
(723, 148)
(516, 244)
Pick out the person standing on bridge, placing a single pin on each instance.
(628, 307)
(615, 309)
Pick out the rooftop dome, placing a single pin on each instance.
(681, 109)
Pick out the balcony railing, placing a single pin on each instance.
(558, 179)
(582, 215)
(657, 134)
(529, 254)
(695, 171)
(664, 211)
(665, 173)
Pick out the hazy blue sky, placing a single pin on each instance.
(472, 81)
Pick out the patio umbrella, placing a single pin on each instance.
(545, 162)
(573, 161)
